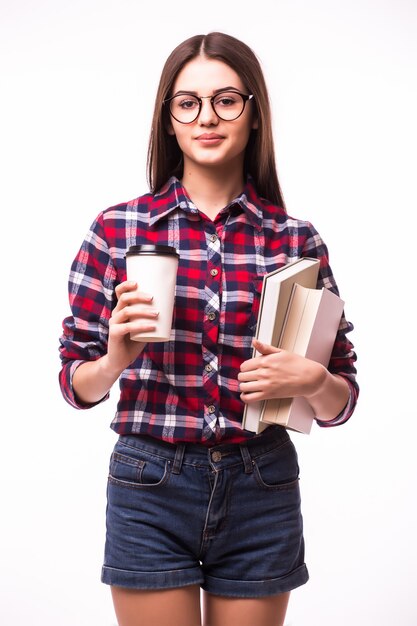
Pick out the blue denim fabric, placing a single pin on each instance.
(227, 518)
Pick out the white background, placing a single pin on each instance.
(77, 86)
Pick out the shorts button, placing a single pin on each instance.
(216, 456)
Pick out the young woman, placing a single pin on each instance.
(193, 499)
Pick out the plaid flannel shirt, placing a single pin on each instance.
(186, 389)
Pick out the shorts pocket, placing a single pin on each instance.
(277, 469)
(131, 471)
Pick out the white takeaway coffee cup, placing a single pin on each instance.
(154, 268)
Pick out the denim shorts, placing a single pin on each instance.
(226, 518)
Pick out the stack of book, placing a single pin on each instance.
(296, 316)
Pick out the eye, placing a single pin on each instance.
(226, 99)
(187, 103)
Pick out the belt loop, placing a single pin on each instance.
(179, 455)
(247, 459)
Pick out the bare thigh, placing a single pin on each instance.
(168, 607)
(270, 611)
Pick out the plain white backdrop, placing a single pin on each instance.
(77, 85)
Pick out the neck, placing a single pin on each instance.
(210, 189)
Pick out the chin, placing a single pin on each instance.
(214, 159)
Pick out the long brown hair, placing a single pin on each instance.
(164, 154)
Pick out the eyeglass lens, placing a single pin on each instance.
(227, 105)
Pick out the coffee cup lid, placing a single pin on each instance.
(151, 249)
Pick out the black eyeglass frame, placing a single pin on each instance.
(245, 97)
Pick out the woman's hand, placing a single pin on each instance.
(133, 314)
(277, 373)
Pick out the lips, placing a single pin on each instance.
(209, 137)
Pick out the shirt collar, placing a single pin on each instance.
(251, 204)
(173, 195)
(169, 197)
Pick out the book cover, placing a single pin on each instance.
(310, 330)
(275, 296)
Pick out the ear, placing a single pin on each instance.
(255, 123)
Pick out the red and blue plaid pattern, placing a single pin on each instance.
(186, 389)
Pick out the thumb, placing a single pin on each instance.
(264, 348)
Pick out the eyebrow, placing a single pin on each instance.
(215, 91)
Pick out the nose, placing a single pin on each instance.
(207, 116)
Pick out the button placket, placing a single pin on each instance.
(210, 329)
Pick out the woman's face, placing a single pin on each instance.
(210, 141)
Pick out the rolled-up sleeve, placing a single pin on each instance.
(342, 363)
(91, 297)
(343, 358)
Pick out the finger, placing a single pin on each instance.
(245, 377)
(251, 386)
(247, 398)
(130, 298)
(122, 329)
(135, 297)
(264, 348)
(132, 313)
(127, 285)
(251, 364)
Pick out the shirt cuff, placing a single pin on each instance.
(66, 378)
(346, 413)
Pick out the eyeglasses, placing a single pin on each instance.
(227, 105)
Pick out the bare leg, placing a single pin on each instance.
(270, 611)
(167, 607)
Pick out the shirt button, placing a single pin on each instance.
(214, 272)
(211, 408)
(211, 316)
(216, 456)
(208, 367)
(213, 238)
